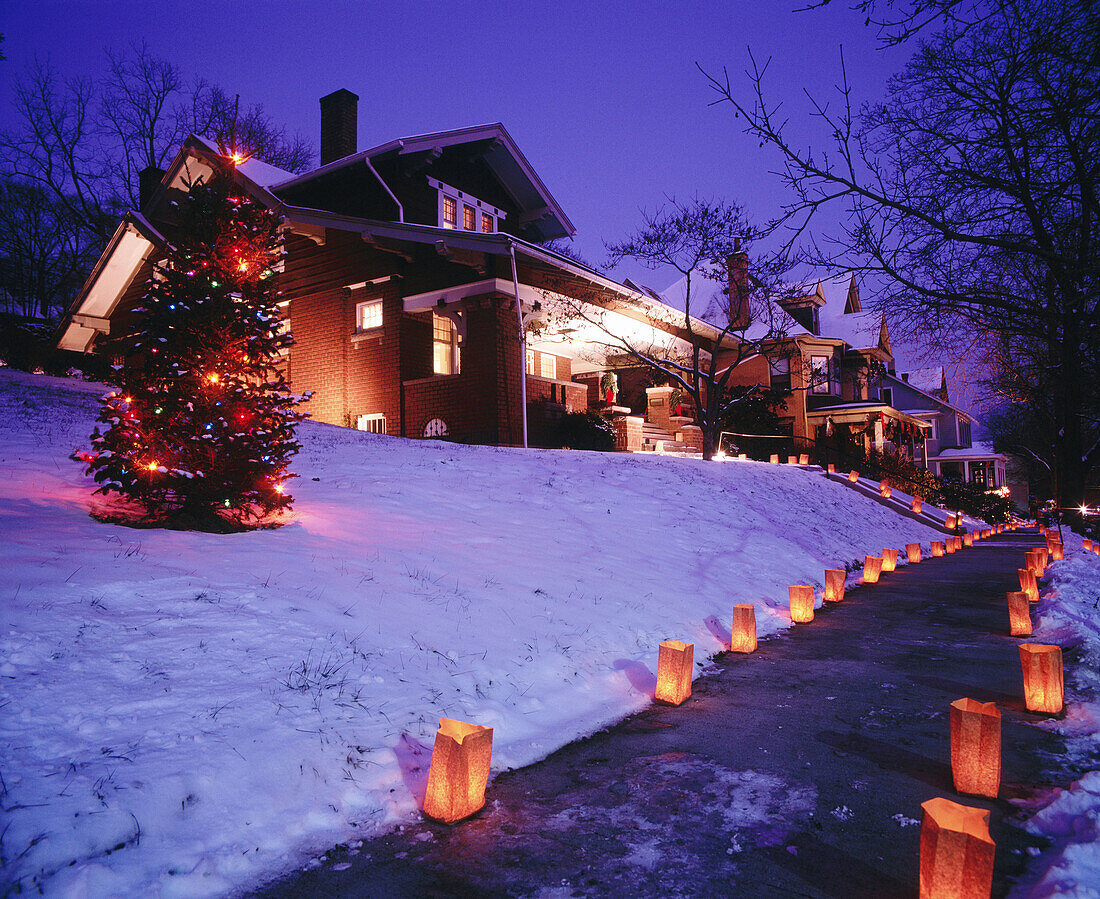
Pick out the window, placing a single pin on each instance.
(549, 366)
(368, 315)
(375, 423)
(819, 374)
(530, 360)
(450, 198)
(953, 470)
(780, 370)
(444, 345)
(978, 474)
(888, 395)
(964, 433)
(934, 434)
(437, 427)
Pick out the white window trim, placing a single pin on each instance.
(823, 386)
(453, 346)
(461, 199)
(543, 357)
(373, 423)
(359, 307)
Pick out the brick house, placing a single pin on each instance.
(415, 281)
(834, 358)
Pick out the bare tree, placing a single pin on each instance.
(695, 239)
(78, 145)
(43, 255)
(973, 192)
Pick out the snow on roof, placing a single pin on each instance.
(708, 299)
(504, 157)
(859, 330)
(262, 173)
(978, 449)
(930, 380)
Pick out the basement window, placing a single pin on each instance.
(374, 423)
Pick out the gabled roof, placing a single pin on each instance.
(128, 250)
(843, 316)
(503, 156)
(840, 312)
(938, 403)
(927, 380)
(136, 239)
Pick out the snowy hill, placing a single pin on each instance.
(190, 713)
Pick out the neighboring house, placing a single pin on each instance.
(950, 450)
(833, 356)
(414, 281)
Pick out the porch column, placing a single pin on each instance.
(878, 438)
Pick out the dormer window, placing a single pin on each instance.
(476, 214)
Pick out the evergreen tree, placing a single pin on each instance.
(201, 425)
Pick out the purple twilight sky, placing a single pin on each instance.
(604, 98)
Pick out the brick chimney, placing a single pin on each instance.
(148, 182)
(339, 111)
(737, 265)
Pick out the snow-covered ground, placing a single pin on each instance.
(185, 713)
(1069, 616)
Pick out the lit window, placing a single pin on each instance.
(819, 374)
(530, 362)
(444, 346)
(486, 223)
(368, 315)
(549, 366)
(469, 218)
(450, 212)
(375, 423)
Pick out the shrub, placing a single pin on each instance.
(585, 431)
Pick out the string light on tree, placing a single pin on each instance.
(202, 422)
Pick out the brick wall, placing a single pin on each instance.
(692, 435)
(628, 433)
(482, 404)
(349, 374)
(547, 401)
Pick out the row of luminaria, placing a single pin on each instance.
(956, 852)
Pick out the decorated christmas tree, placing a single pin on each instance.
(200, 428)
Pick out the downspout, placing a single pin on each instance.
(522, 345)
(386, 187)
